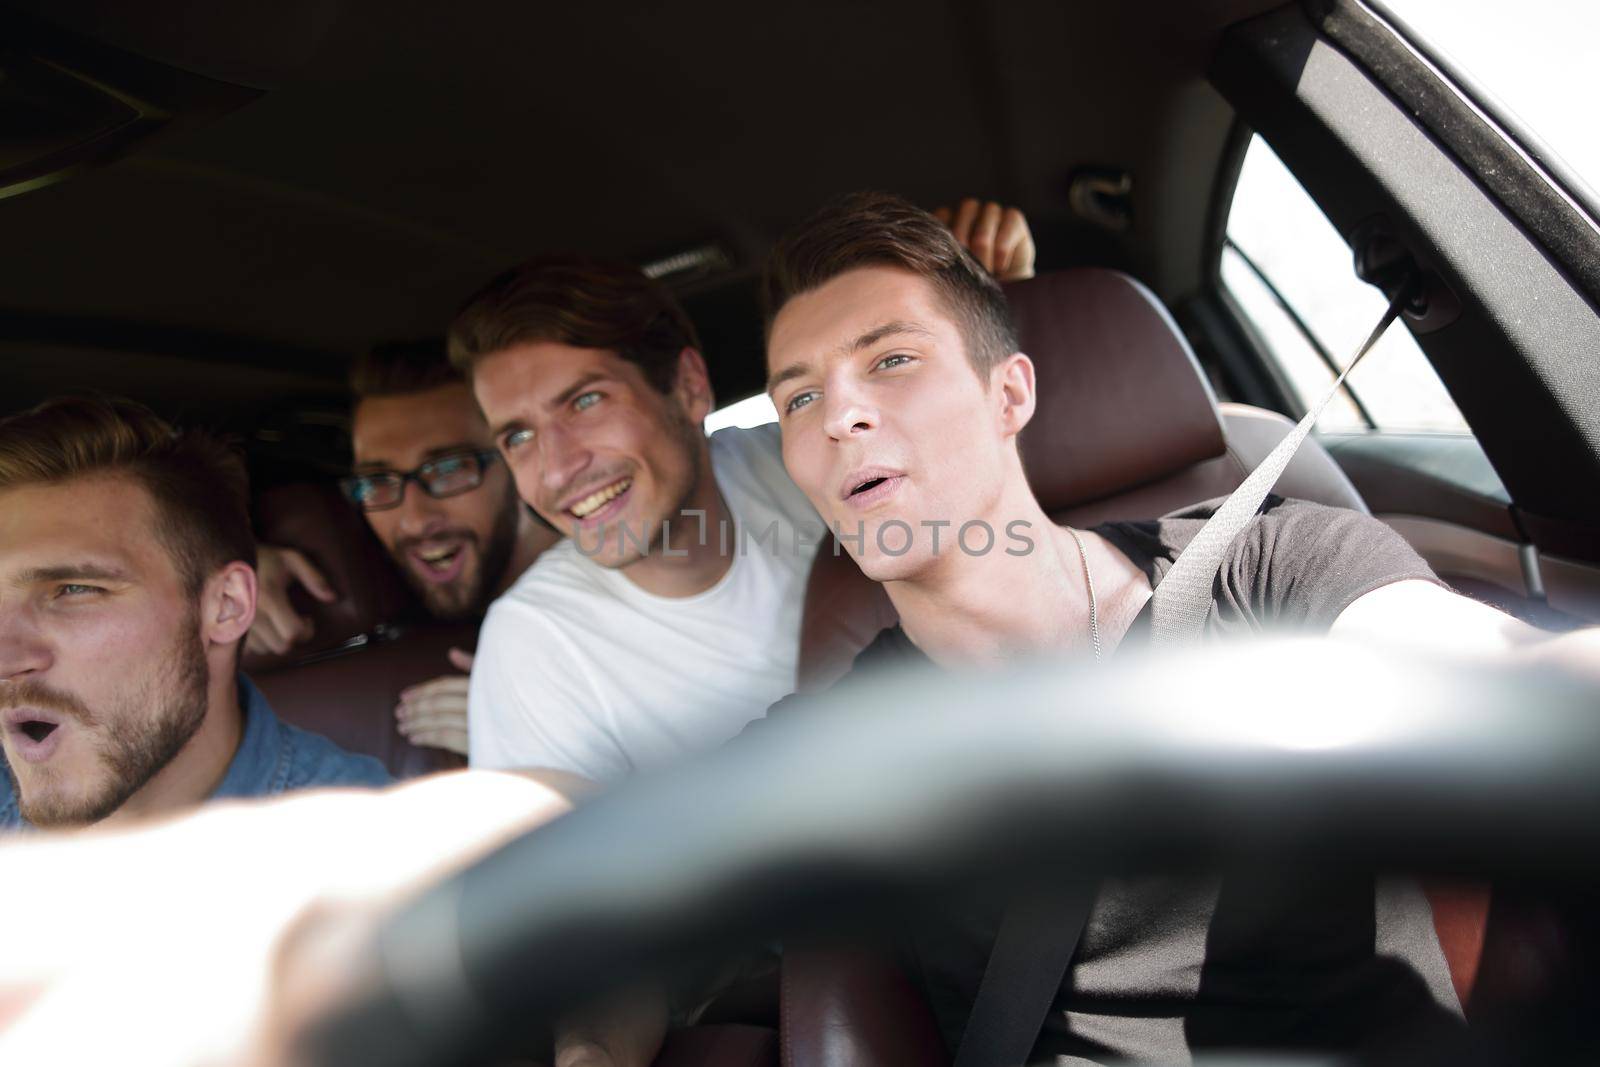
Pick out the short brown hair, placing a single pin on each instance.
(576, 301)
(197, 481)
(882, 230)
(402, 368)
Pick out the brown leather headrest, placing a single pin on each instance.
(1122, 400)
(315, 519)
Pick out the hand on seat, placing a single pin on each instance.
(997, 236)
(434, 714)
(278, 627)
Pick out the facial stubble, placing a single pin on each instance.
(140, 736)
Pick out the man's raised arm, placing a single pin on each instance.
(1423, 616)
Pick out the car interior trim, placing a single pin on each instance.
(1509, 360)
(1510, 173)
(1442, 476)
(1453, 550)
(1531, 576)
(1571, 585)
(1517, 132)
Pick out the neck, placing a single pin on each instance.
(533, 537)
(982, 610)
(196, 771)
(694, 554)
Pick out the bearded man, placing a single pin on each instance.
(127, 584)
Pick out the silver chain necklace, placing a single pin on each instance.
(1094, 608)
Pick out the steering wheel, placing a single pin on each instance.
(1304, 751)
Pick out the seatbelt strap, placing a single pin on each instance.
(1182, 600)
(1026, 968)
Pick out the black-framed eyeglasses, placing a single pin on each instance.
(442, 476)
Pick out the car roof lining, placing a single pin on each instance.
(419, 151)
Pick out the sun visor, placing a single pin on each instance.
(70, 100)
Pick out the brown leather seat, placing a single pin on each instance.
(723, 1045)
(854, 1008)
(834, 1007)
(1127, 427)
(369, 644)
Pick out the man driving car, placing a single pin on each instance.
(894, 367)
(126, 587)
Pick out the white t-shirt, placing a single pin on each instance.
(578, 669)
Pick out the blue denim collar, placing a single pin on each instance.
(261, 765)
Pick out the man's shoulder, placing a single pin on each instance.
(1296, 564)
(525, 629)
(314, 760)
(1288, 520)
(748, 462)
(275, 756)
(748, 454)
(560, 572)
(754, 442)
(1305, 514)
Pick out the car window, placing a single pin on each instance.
(1290, 275)
(1538, 65)
(751, 411)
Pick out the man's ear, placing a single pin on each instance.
(1011, 383)
(692, 385)
(228, 605)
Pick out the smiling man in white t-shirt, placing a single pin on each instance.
(670, 617)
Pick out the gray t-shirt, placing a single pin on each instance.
(1273, 959)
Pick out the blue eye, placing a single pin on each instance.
(74, 589)
(586, 401)
(516, 439)
(799, 400)
(892, 361)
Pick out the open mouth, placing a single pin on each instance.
(591, 505)
(867, 486)
(36, 730)
(439, 558)
(34, 735)
(871, 488)
(439, 561)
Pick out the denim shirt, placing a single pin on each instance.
(273, 757)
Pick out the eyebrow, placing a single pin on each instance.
(497, 432)
(72, 572)
(888, 329)
(866, 340)
(793, 370)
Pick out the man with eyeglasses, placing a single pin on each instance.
(436, 494)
